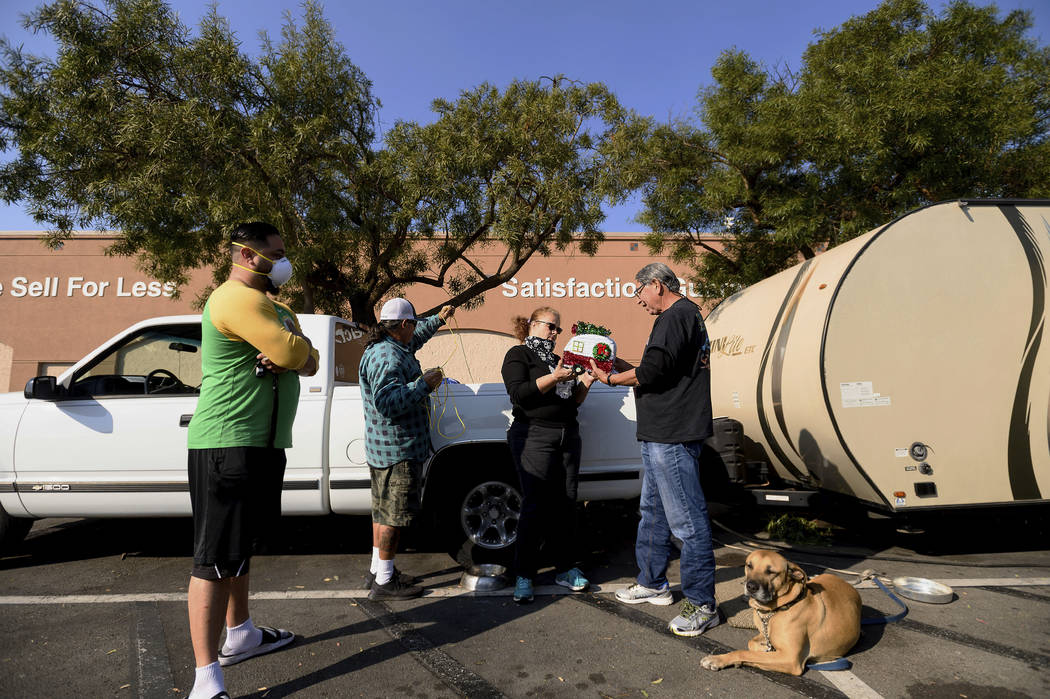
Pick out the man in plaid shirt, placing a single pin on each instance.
(395, 392)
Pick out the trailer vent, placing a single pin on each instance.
(926, 490)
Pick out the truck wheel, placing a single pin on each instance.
(489, 514)
(12, 529)
(479, 518)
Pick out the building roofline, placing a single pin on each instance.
(113, 235)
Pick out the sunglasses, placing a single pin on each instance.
(552, 326)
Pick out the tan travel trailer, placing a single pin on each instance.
(908, 368)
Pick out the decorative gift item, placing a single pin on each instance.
(589, 342)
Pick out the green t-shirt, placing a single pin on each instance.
(236, 407)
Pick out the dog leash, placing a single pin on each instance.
(839, 664)
(842, 663)
(887, 619)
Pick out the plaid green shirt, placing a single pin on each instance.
(396, 399)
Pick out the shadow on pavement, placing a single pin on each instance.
(603, 528)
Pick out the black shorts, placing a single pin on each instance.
(236, 497)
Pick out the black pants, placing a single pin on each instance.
(548, 464)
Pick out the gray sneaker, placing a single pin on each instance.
(694, 620)
(636, 594)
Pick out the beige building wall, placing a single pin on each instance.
(56, 306)
(468, 356)
(6, 355)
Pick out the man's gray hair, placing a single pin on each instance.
(660, 272)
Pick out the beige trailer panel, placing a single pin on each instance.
(766, 374)
(928, 330)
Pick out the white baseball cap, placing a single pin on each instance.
(397, 309)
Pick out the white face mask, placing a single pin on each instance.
(280, 271)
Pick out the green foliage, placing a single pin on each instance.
(581, 327)
(793, 529)
(172, 137)
(891, 111)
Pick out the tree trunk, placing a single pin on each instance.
(362, 311)
(308, 298)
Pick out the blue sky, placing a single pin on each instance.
(654, 55)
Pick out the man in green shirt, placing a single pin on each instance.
(252, 353)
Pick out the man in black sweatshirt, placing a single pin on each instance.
(673, 404)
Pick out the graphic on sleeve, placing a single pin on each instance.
(286, 318)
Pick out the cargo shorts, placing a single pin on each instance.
(395, 493)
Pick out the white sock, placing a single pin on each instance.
(375, 560)
(384, 571)
(242, 637)
(207, 682)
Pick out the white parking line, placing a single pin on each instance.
(94, 599)
(267, 595)
(975, 582)
(850, 685)
(450, 591)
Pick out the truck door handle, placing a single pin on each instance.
(184, 420)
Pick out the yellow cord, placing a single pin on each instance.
(444, 400)
(462, 348)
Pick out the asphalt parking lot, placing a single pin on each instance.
(95, 608)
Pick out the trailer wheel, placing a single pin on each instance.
(12, 529)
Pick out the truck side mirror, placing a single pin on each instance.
(42, 388)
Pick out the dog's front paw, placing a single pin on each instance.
(713, 662)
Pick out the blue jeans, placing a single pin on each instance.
(673, 503)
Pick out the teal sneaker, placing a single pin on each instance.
(572, 579)
(523, 590)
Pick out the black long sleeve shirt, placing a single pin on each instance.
(521, 368)
(673, 396)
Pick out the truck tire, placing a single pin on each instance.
(473, 510)
(12, 530)
(487, 511)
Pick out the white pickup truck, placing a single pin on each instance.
(107, 438)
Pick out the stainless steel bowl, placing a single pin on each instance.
(923, 590)
(485, 578)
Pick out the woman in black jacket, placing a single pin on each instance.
(544, 442)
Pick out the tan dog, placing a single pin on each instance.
(798, 619)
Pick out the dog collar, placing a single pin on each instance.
(765, 617)
(802, 594)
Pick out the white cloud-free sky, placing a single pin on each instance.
(653, 54)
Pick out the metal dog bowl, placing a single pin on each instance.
(923, 590)
(484, 578)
